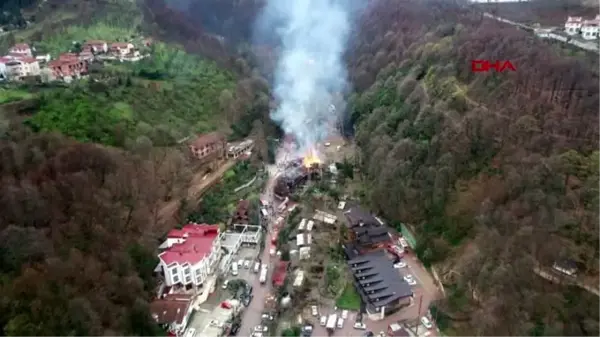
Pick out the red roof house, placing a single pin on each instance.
(190, 255)
(172, 311)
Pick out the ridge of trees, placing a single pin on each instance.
(79, 228)
(498, 172)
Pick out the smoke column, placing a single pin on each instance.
(313, 36)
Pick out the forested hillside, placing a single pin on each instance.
(498, 172)
(79, 212)
(78, 231)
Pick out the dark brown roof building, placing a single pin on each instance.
(209, 146)
(172, 309)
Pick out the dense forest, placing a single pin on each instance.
(79, 228)
(497, 172)
(80, 220)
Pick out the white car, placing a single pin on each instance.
(272, 251)
(323, 321)
(410, 280)
(225, 284)
(344, 314)
(360, 326)
(257, 334)
(256, 267)
(314, 310)
(400, 264)
(426, 322)
(240, 263)
(247, 264)
(261, 328)
(340, 323)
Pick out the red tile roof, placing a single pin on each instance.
(208, 138)
(20, 46)
(197, 245)
(280, 273)
(28, 59)
(171, 309)
(67, 56)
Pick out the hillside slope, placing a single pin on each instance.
(498, 172)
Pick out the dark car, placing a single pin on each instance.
(247, 299)
(234, 330)
(369, 334)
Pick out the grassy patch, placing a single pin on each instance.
(349, 299)
(119, 110)
(60, 43)
(11, 95)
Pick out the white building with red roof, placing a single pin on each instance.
(589, 29)
(190, 254)
(19, 67)
(21, 49)
(95, 46)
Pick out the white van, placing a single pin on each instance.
(234, 269)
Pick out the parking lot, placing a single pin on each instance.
(201, 317)
(425, 292)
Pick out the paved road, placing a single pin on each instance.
(252, 314)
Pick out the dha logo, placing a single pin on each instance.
(478, 66)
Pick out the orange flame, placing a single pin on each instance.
(311, 158)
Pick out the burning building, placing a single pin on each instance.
(297, 173)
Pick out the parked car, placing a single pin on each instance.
(240, 263)
(267, 317)
(426, 322)
(410, 280)
(257, 334)
(314, 310)
(400, 264)
(261, 328)
(340, 323)
(360, 326)
(344, 314)
(323, 320)
(247, 264)
(272, 251)
(369, 334)
(234, 330)
(256, 267)
(307, 330)
(225, 284)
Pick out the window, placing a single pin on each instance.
(175, 279)
(188, 279)
(174, 271)
(187, 270)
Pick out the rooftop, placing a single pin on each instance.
(170, 309)
(197, 245)
(357, 216)
(376, 280)
(208, 138)
(370, 235)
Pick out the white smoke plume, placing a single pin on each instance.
(313, 36)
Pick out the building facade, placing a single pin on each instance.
(67, 67)
(191, 255)
(587, 29)
(209, 146)
(21, 49)
(21, 67)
